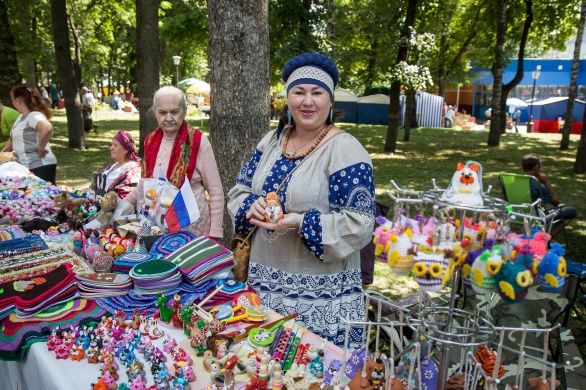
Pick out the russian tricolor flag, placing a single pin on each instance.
(183, 211)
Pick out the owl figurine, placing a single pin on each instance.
(514, 278)
(484, 269)
(432, 270)
(400, 255)
(552, 269)
(466, 186)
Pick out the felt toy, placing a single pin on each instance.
(108, 205)
(400, 255)
(429, 374)
(553, 269)
(273, 211)
(382, 241)
(484, 269)
(371, 377)
(540, 383)
(514, 278)
(537, 244)
(70, 209)
(7, 157)
(432, 270)
(487, 358)
(466, 185)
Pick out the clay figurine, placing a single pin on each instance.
(273, 211)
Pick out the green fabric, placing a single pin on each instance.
(9, 116)
(517, 188)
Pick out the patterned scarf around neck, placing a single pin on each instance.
(183, 156)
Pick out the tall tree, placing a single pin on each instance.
(395, 92)
(9, 74)
(67, 75)
(238, 56)
(501, 120)
(580, 163)
(565, 142)
(497, 70)
(147, 49)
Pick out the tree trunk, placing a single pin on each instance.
(370, 67)
(28, 58)
(410, 114)
(498, 66)
(77, 49)
(9, 73)
(67, 75)
(565, 143)
(580, 163)
(394, 93)
(507, 88)
(147, 72)
(238, 57)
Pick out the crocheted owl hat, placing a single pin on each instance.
(311, 68)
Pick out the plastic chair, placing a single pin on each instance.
(517, 191)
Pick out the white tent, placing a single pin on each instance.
(343, 95)
(374, 99)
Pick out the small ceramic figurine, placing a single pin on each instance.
(273, 211)
(154, 332)
(76, 353)
(176, 316)
(540, 383)
(165, 312)
(372, 377)
(169, 344)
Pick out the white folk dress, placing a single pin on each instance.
(314, 271)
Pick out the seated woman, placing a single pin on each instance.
(31, 132)
(123, 174)
(176, 150)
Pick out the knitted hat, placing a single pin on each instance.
(311, 68)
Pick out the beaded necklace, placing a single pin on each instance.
(294, 155)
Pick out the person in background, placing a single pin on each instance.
(449, 117)
(308, 262)
(515, 119)
(45, 95)
(128, 95)
(87, 108)
(55, 97)
(543, 189)
(31, 132)
(116, 101)
(177, 150)
(123, 174)
(8, 116)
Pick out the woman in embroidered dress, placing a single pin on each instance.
(177, 150)
(309, 262)
(31, 133)
(123, 174)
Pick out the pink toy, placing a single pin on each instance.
(137, 384)
(189, 374)
(169, 344)
(62, 351)
(382, 241)
(537, 244)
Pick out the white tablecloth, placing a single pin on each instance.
(41, 370)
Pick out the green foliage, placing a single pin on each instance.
(184, 32)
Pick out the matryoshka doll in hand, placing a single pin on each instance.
(273, 211)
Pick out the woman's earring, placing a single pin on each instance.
(331, 114)
(289, 117)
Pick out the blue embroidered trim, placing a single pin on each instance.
(243, 225)
(311, 233)
(279, 171)
(247, 171)
(320, 299)
(353, 188)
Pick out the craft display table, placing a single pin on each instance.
(41, 370)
